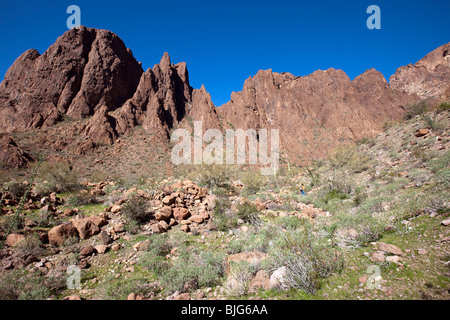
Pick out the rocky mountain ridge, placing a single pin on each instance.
(90, 74)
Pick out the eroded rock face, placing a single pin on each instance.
(11, 156)
(83, 70)
(315, 111)
(428, 78)
(90, 73)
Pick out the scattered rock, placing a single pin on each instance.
(87, 251)
(57, 235)
(253, 258)
(277, 278)
(390, 248)
(86, 228)
(377, 256)
(422, 251)
(181, 213)
(101, 248)
(421, 132)
(14, 239)
(446, 222)
(115, 208)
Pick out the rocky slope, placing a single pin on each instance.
(428, 78)
(89, 73)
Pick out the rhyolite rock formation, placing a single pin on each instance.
(89, 73)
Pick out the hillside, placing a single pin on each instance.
(373, 224)
(87, 101)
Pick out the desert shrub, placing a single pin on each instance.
(21, 285)
(247, 211)
(305, 261)
(60, 176)
(223, 217)
(31, 245)
(445, 106)
(136, 209)
(212, 175)
(360, 196)
(193, 270)
(16, 189)
(252, 181)
(80, 199)
(414, 109)
(334, 194)
(98, 176)
(350, 158)
(238, 278)
(119, 289)
(290, 223)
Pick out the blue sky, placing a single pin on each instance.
(225, 42)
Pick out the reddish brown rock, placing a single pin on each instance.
(181, 213)
(57, 235)
(11, 156)
(84, 69)
(14, 239)
(427, 78)
(163, 213)
(86, 228)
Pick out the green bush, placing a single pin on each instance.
(247, 211)
(223, 217)
(119, 289)
(16, 189)
(60, 176)
(415, 109)
(136, 209)
(252, 181)
(193, 270)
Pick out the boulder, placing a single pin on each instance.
(277, 278)
(57, 235)
(261, 280)
(164, 213)
(14, 239)
(87, 251)
(181, 213)
(86, 228)
(421, 132)
(390, 248)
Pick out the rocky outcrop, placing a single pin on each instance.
(315, 111)
(428, 78)
(83, 70)
(11, 156)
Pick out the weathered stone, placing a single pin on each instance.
(101, 248)
(87, 251)
(85, 227)
(57, 235)
(106, 239)
(164, 213)
(168, 200)
(115, 208)
(196, 218)
(390, 248)
(181, 213)
(261, 280)
(14, 239)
